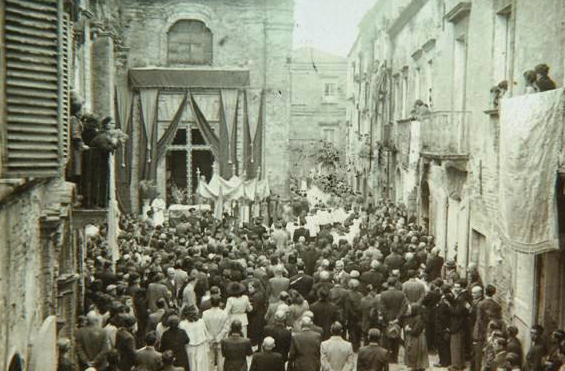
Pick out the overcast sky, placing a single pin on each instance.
(328, 25)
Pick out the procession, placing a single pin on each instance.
(282, 185)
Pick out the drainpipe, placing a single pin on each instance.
(468, 240)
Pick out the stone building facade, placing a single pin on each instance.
(318, 107)
(241, 45)
(40, 246)
(445, 164)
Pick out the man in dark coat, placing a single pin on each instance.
(434, 265)
(537, 351)
(309, 256)
(281, 335)
(394, 260)
(353, 313)
(393, 305)
(301, 232)
(125, 342)
(148, 358)
(175, 339)
(92, 343)
(304, 352)
(487, 310)
(236, 349)
(325, 313)
(373, 277)
(301, 282)
(372, 357)
(268, 359)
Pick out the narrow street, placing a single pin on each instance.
(282, 185)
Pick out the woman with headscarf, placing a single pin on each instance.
(238, 305)
(198, 349)
(416, 354)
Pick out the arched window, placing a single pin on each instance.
(189, 42)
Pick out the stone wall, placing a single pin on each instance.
(246, 35)
(29, 267)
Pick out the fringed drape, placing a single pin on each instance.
(205, 128)
(149, 100)
(123, 101)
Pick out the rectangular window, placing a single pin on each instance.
(502, 49)
(404, 102)
(330, 89)
(429, 82)
(460, 73)
(329, 135)
(417, 84)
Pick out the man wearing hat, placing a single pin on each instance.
(269, 359)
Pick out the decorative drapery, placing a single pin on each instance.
(205, 128)
(257, 152)
(247, 150)
(235, 189)
(123, 105)
(230, 100)
(530, 145)
(171, 131)
(225, 170)
(149, 100)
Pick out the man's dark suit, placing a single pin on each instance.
(486, 312)
(92, 343)
(372, 277)
(176, 340)
(301, 232)
(149, 359)
(282, 338)
(325, 313)
(235, 349)
(267, 361)
(394, 261)
(393, 305)
(125, 345)
(372, 358)
(304, 352)
(302, 283)
(309, 257)
(433, 267)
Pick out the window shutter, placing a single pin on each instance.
(66, 48)
(32, 86)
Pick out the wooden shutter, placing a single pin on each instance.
(32, 88)
(66, 48)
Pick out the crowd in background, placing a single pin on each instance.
(200, 294)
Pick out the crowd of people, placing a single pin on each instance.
(202, 294)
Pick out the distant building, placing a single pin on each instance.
(318, 101)
(445, 162)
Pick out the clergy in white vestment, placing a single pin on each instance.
(216, 320)
(197, 349)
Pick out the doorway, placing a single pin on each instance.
(425, 207)
(202, 160)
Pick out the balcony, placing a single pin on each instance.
(445, 135)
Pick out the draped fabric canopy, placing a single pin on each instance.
(234, 189)
(530, 145)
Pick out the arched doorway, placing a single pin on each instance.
(16, 363)
(425, 206)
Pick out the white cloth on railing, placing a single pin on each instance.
(530, 146)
